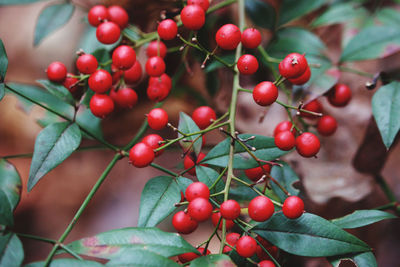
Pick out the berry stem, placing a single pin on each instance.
(298, 109)
(161, 168)
(219, 178)
(38, 238)
(358, 72)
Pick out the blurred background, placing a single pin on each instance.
(330, 184)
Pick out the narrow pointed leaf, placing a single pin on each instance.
(51, 18)
(339, 13)
(157, 200)
(213, 261)
(3, 62)
(286, 177)
(11, 251)
(53, 145)
(91, 123)
(293, 9)
(6, 213)
(142, 257)
(2, 91)
(187, 126)
(66, 263)
(58, 90)
(386, 111)
(183, 183)
(361, 218)
(10, 183)
(209, 176)
(364, 259)
(309, 235)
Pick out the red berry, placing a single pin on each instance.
(71, 83)
(108, 32)
(167, 29)
(118, 15)
(228, 37)
(265, 93)
(303, 78)
(284, 126)
(183, 223)
(293, 66)
(86, 64)
(153, 141)
(314, 106)
(285, 140)
(266, 263)
(246, 246)
(215, 218)
(123, 57)
(100, 81)
(134, 73)
(327, 125)
(101, 105)
(251, 38)
(188, 162)
(256, 173)
(157, 91)
(203, 116)
(97, 14)
(204, 4)
(153, 47)
(124, 97)
(261, 208)
(155, 66)
(56, 71)
(157, 119)
(340, 95)
(164, 79)
(293, 207)
(231, 239)
(200, 209)
(197, 189)
(186, 257)
(193, 17)
(307, 145)
(141, 155)
(230, 209)
(247, 64)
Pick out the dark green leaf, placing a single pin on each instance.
(52, 18)
(10, 184)
(309, 235)
(183, 183)
(3, 62)
(87, 97)
(241, 193)
(213, 261)
(53, 145)
(91, 123)
(17, 2)
(103, 55)
(372, 42)
(11, 251)
(131, 34)
(364, 259)
(265, 150)
(209, 176)
(293, 9)
(386, 111)
(239, 260)
(114, 243)
(188, 126)
(67, 263)
(215, 64)
(2, 91)
(6, 213)
(157, 201)
(142, 258)
(361, 218)
(339, 13)
(388, 16)
(286, 177)
(58, 90)
(212, 83)
(261, 13)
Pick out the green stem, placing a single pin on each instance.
(38, 238)
(219, 178)
(385, 188)
(69, 251)
(358, 72)
(161, 168)
(298, 109)
(387, 206)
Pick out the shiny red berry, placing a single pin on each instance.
(118, 15)
(167, 29)
(188, 162)
(197, 189)
(247, 64)
(155, 66)
(100, 81)
(154, 141)
(261, 208)
(256, 173)
(285, 140)
(56, 71)
(189, 256)
(314, 106)
(284, 126)
(203, 116)
(228, 37)
(265, 93)
(230, 209)
(183, 223)
(327, 125)
(246, 246)
(231, 239)
(156, 48)
(204, 4)
(108, 32)
(97, 14)
(303, 78)
(71, 83)
(101, 105)
(215, 219)
(193, 17)
(86, 64)
(157, 91)
(266, 263)
(157, 119)
(123, 57)
(124, 97)
(339, 95)
(293, 66)
(200, 209)
(307, 145)
(251, 38)
(134, 73)
(293, 207)
(141, 155)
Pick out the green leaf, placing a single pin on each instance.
(6, 213)
(372, 42)
(365, 259)
(286, 177)
(209, 176)
(261, 13)
(67, 263)
(157, 201)
(361, 218)
(213, 261)
(47, 119)
(103, 55)
(309, 235)
(58, 90)
(142, 257)
(50, 19)
(3, 62)
(116, 243)
(339, 13)
(265, 150)
(91, 123)
(188, 126)
(89, 43)
(2, 91)
(183, 183)
(293, 9)
(11, 251)
(215, 64)
(388, 16)
(131, 34)
(10, 191)
(53, 145)
(386, 111)
(17, 2)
